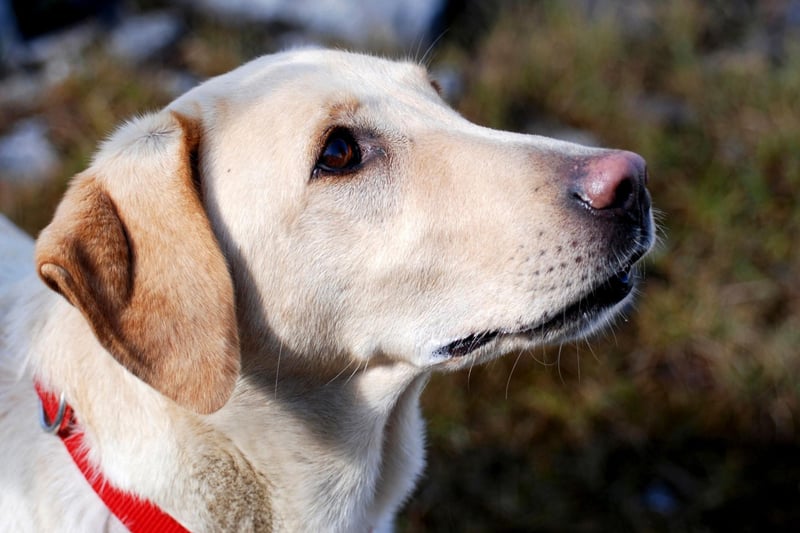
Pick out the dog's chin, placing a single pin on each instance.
(590, 312)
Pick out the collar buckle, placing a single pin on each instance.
(52, 426)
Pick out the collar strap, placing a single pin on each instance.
(138, 515)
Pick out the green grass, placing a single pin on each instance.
(698, 392)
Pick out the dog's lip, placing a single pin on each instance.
(468, 344)
(584, 311)
(573, 317)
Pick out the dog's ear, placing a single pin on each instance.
(131, 247)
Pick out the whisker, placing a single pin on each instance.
(613, 332)
(513, 367)
(427, 57)
(278, 370)
(342, 371)
(543, 361)
(591, 350)
(355, 371)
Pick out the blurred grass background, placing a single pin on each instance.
(684, 417)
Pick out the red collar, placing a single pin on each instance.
(139, 516)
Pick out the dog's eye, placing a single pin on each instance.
(340, 153)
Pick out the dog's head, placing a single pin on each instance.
(332, 207)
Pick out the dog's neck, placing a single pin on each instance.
(340, 453)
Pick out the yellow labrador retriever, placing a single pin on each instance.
(246, 292)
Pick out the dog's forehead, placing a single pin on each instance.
(351, 69)
(318, 76)
(299, 92)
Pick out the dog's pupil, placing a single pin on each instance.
(338, 153)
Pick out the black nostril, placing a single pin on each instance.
(623, 194)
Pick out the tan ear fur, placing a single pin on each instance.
(131, 247)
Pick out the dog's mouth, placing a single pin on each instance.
(574, 319)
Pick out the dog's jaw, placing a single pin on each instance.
(580, 317)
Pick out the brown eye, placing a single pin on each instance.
(340, 153)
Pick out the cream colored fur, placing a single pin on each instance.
(249, 355)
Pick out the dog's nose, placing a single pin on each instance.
(611, 183)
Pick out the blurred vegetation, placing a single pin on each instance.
(685, 417)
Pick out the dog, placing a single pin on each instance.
(245, 293)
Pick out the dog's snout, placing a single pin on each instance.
(611, 183)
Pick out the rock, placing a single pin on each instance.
(17, 257)
(141, 37)
(26, 154)
(398, 23)
(41, 63)
(66, 45)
